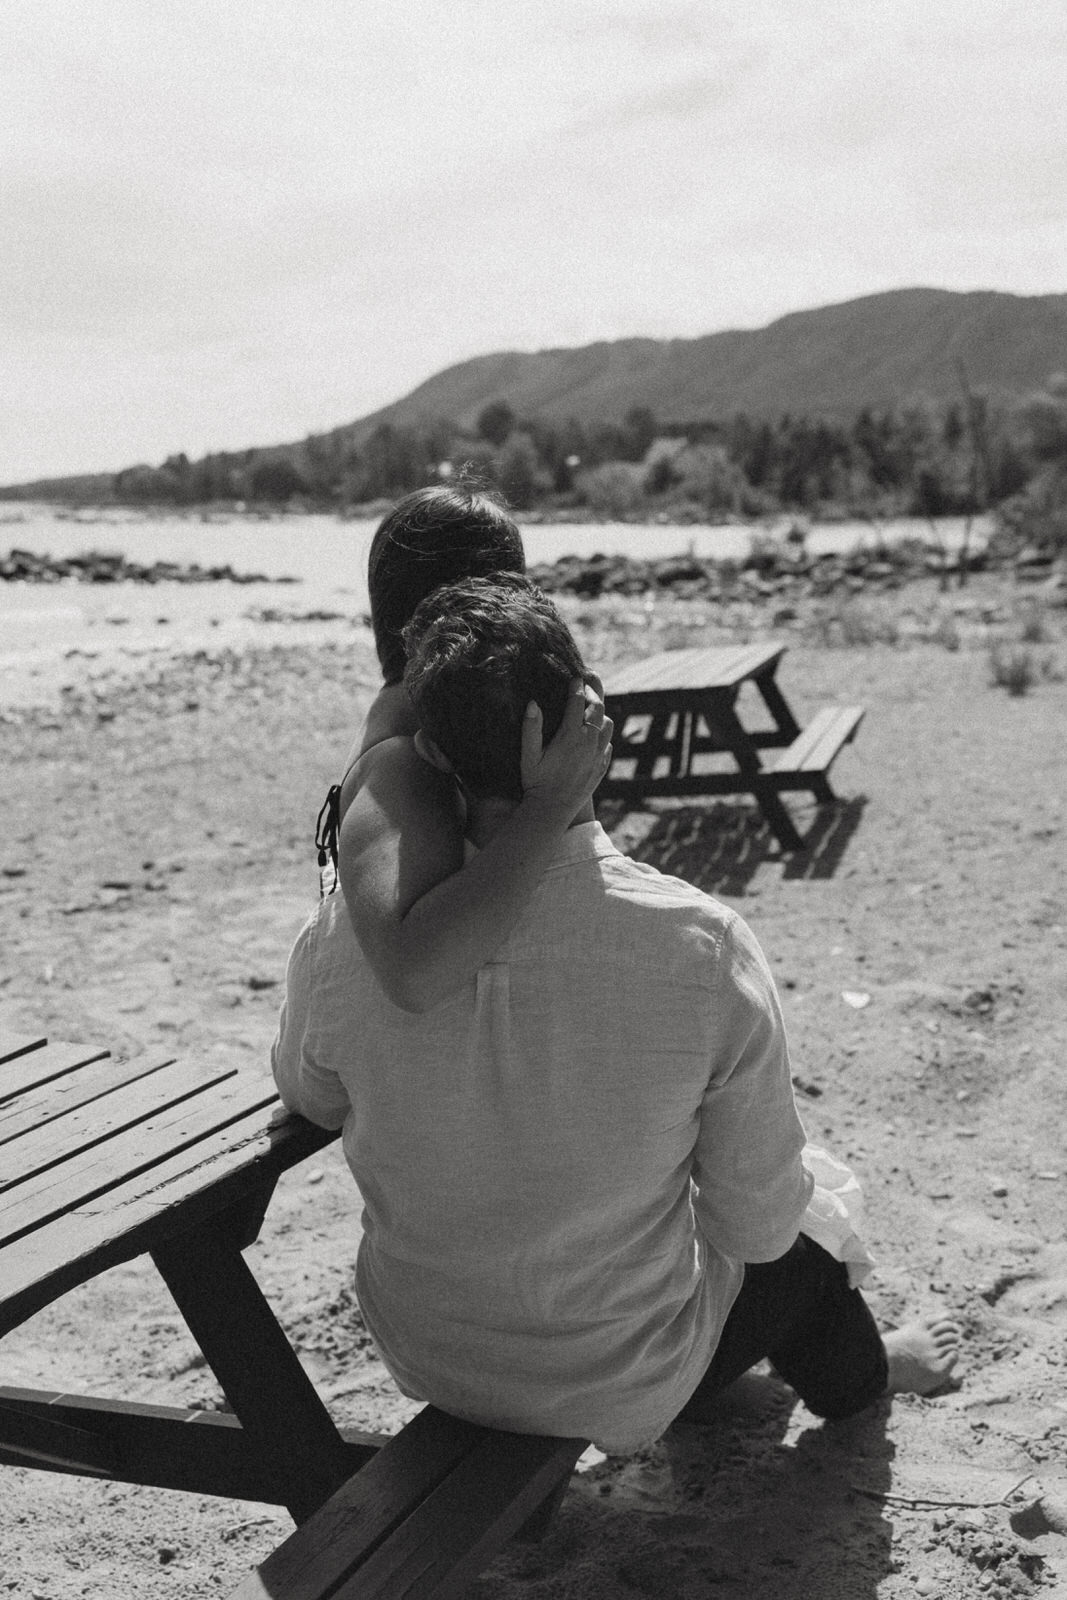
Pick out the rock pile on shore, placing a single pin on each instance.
(770, 570)
(96, 566)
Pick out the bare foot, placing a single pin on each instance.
(921, 1355)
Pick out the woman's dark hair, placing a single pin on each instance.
(432, 537)
(478, 653)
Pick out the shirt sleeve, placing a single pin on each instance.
(750, 1186)
(303, 1083)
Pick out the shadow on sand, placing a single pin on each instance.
(760, 1500)
(720, 846)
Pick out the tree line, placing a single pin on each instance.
(957, 458)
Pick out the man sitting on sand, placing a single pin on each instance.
(581, 1175)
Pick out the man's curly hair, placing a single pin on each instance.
(477, 653)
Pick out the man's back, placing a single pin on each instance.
(532, 1257)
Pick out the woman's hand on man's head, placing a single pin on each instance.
(563, 774)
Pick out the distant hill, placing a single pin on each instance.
(883, 350)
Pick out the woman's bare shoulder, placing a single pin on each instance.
(396, 747)
(390, 781)
(392, 758)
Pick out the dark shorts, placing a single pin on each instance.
(799, 1313)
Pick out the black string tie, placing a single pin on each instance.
(326, 831)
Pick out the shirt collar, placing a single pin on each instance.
(586, 841)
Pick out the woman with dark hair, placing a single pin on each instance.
(425, 917)
(430, 538)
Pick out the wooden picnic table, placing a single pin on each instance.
(677, 713)
(102, 1162)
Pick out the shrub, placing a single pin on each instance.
(1012, 667)
(277, 479)
(766, 555)
(1036, 518)
(1033, 623)
(495, 422)
(706, 474)
(519, 473)
(613, 490)
(945, 632)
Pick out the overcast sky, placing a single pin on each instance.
(224, 225)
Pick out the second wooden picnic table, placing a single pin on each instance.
(676, 712)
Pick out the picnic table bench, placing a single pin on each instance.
(102, 1162)
(677, 711)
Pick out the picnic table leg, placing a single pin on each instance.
(723, 720)
(681, 760)
(261, 1377)
(654, 745)
(820, 788)
(773, 698)
(779, 821)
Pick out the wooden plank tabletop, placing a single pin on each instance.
(101, 1160)
(716, 667)
(17, 1044)
(59, 1132)
(26, 1061)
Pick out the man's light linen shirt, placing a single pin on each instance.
(564, 1166)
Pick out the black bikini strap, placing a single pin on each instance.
(326, 830)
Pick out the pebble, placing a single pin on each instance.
(926, 1586)
(1054, 1509)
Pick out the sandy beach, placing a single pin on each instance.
(155, 866)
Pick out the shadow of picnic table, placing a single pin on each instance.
(720, 846)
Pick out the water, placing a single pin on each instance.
(121, 625)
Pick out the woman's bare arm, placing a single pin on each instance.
(425, 921)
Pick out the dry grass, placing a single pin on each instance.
(855, 622)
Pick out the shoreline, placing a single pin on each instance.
(900, 615)
(84, 630)
(374, 510)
